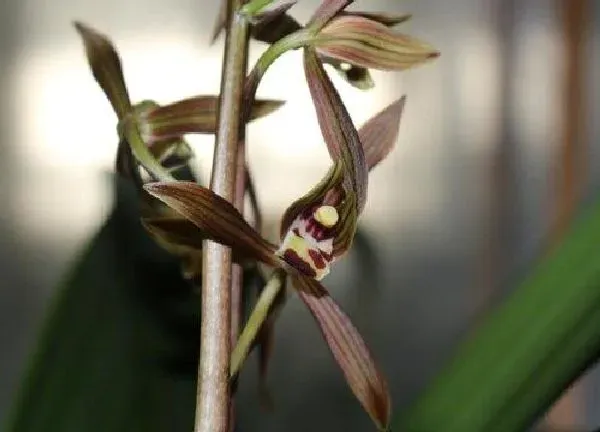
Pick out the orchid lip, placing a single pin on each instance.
(308, 244)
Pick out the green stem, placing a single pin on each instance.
(255, 322)
(145, 158)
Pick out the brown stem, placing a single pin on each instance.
(212, 400)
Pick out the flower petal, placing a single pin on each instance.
(193, 115)
(386, 19)
(274, 24)
(337, 128)
(219, 23)
(380, 133)
(348, 349)
(326, 11)
(356, 76)
(216, 217)
(315, 197)
(368, 43)
(175, 230)
(106, 68)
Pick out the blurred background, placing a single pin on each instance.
(499, 147)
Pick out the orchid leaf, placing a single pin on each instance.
(119, 346)
(364, 42)
(215, 217)
(528, 351)
(106, 68)
(348, 349)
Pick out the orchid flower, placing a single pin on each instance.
(153, 133)
(316, 229)
(349, 41)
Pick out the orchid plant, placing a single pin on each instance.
(318, 228)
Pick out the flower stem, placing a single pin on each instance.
(213, 399)
(258, 317)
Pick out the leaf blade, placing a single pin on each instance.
(550, 310)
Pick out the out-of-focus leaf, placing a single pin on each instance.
(380, 133)
(529, 350)
(176, 233)
(216, 217)
(348, 349)
(119, 348)
(367, 43)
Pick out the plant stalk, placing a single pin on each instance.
(213, 399)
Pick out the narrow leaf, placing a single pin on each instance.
(380, 133)
(513, 368)
(116, 340)
(326, 11)
(216, 217)
(368, 43)
(106, 68)
(337, 127)
(193, 115)
(348, 349)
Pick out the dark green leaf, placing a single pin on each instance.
(526, 354)
(119, 347)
